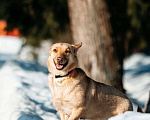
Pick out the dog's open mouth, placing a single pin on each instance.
(60, 66)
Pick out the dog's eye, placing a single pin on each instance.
(55, 50)
(67, 51)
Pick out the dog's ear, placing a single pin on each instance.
(76, 47)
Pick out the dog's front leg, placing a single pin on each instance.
(62, 115)
(66, 117)
(76, 113)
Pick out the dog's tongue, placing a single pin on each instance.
(59, 66)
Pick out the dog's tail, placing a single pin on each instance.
(147, 107)
(139, 109)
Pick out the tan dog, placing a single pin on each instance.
(74, 94)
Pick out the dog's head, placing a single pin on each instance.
(62, 58)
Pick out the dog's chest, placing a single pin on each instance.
(64, 95)
(63, 105)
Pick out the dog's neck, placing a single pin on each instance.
(68, 74)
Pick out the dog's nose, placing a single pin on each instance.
(59, 59)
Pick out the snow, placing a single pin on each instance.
(136, 81)
(136, 78)
(24, 92)
(131, 116)
(10, 45)
(40, 54)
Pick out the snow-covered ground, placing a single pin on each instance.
(131, 116)
(10, 45)
(24, 92)
(137, 78)
(30, 53)
(136, 81)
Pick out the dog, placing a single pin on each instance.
(74, 94)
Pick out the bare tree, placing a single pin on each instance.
(90, 24)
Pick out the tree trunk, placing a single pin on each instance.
(90, 24)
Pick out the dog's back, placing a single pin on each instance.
(104, 101)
